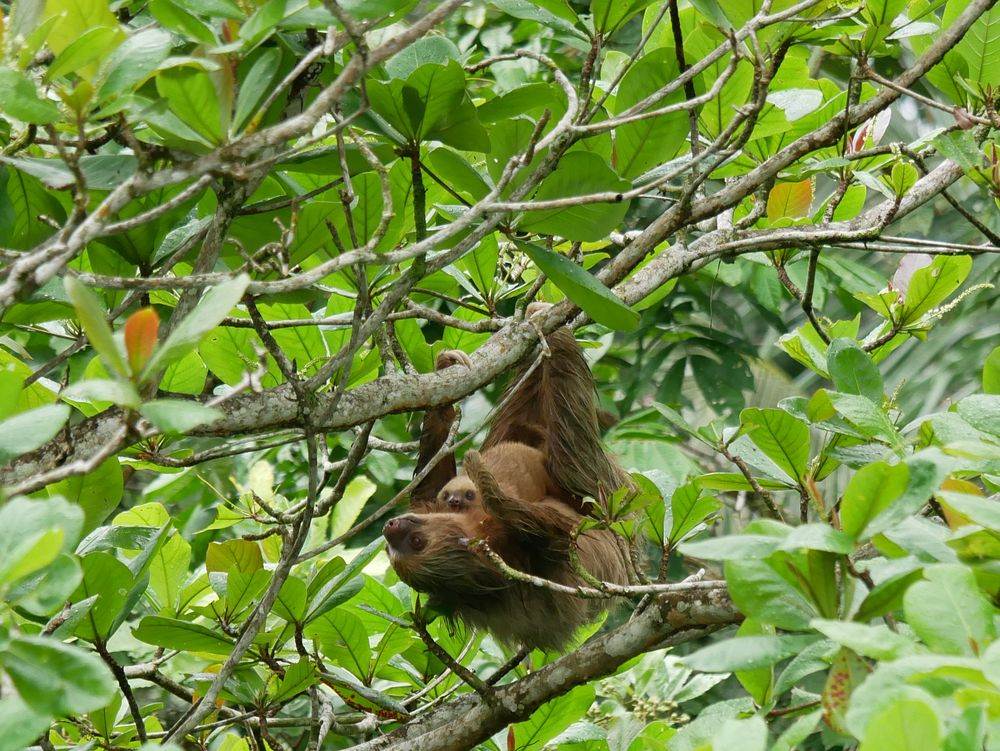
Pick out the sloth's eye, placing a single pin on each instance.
(417, 542)
(469, 495)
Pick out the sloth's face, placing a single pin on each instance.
(459, 495)
(432, 552)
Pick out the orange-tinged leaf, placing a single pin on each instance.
(141, 330)
(790, 200)
(951, 516)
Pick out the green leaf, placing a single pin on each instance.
(877, 641)
(255, 85)
(34, 533)
(93, 317)
(732, 547)
(610, 14)
(552, 718)
(298, 677)
(795, 735)
(29, 430)
(183, 635)
(932, 285)
(925, 477)
(21, 100)
(580, 173)
(168, 571)
(97, 492)
(349, 507)
(291, 602)
(178, 416)
(760, 681)
(979, 46)
(984, 512)
(981, 411)
(430, 49)
(907, 724)
(245, 555)
(54, 677)
(746, 653)
(820, 537)
(243, 589)
(736, 481)
(345, 582)
(44, 592)
(872, 489)
(594, 298)
(647, 143)
(415, 106)
(102, 390)
(90, 47)
(887, 596)
(133, 61)
(991, 372)
(343, 640)
(191, 94)
(210, 310)
(864, 415)
(748, 734)
(782, 437)
(949, 612)
(688, 510)
(21, 724)
(110, 580)
(853, 371)
(760, 591)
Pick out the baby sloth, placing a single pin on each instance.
(521, 495)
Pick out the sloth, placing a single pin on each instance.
(522, 495)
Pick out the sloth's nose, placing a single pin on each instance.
(397, 530)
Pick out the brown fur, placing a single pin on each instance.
(522, 496)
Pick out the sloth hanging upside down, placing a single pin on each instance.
(522, 496)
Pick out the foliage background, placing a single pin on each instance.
(234, 235)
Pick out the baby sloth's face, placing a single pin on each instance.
(459, 495)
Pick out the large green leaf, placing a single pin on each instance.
(54, 677)
(210, 310)
(21, 100)
(33, 533)
(782, 437)
(580, 173)
(110, 580)
(647, 143)
(552, 718)
(852, 370)
(932, 285)
(869, 492)
(93, 317)
(26, 431)
(97, 492)
(184, 635)
(906, 724)
(949, 612)
(416, 105)
(746, 653)
(191, 94)
(582, 288)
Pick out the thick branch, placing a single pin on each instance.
(469, 720)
